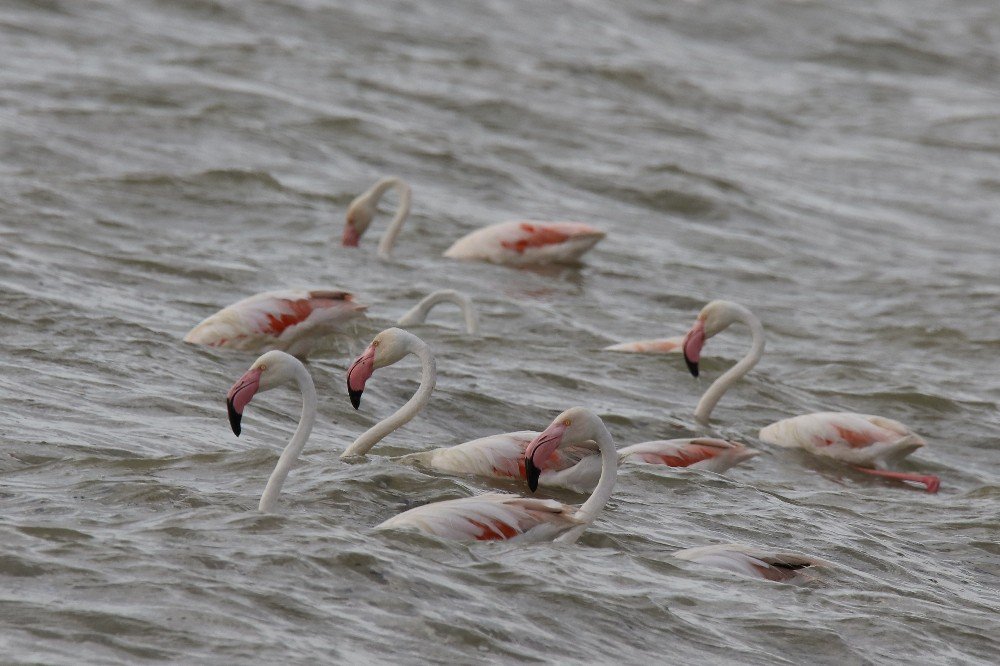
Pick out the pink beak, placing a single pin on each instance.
(693, 342)
(358, 374)
(240, 395)
(540, 450)
(351, 237)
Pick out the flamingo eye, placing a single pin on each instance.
(262, 367)
(566, 422)
(374, 343)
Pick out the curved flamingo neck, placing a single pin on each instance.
(418, 314)
(719, 387)
(396, 225)
(298, 440)
(428, 378)
(602, 493)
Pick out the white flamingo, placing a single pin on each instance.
(517, 242)
(868, 443)
(499, 516)
(418, 313)
(501, 456)
(270, 371)
(291, 320)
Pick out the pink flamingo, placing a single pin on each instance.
(501, 456)
(779, 566)
(291, 320)
(270, 371)
(515, 243)
(869, 444)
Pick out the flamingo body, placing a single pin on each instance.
(707, 453)
(291, 320)
(754, 562)
(672, 345)
(525, 242)
(489, 517)
(870, 443)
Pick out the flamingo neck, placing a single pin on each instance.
(428, 377)
(396, 225)
(298, 440)
(418, 314)
(609, 474)
(735, 373)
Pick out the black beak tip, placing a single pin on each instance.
(355, 397)
(531, 473)
(692, 366)
(234, 418)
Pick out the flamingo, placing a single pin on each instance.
(868, 443)
(501, 456)
(291, 320)
(418, 314)
(515, 243)
(782, 566)
(500, 516)
(270, 371)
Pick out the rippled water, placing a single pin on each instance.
(831, 165)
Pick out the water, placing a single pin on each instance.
(832, 166)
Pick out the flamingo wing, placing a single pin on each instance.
(489, 517)
(672, 345)
(523, 242)
(739, 558)
(858, 439)
(290, 320)
(715, 455)
(501, 456)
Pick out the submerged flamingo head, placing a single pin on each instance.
(268, 371)
(359, 217)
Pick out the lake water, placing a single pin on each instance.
(833, 166)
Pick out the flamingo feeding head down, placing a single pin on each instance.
(515, 243)
(291, 320)
(498, 516)
(418, 313)
(270, 371)
(778, 566)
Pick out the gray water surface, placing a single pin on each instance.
(834, 166)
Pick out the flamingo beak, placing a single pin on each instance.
(358, 374)
(693, 342)
(351, 237)
(240, 395)
(540, 450)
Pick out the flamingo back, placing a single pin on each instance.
(858, 439)
(710, 454)
(524, 242)
(489, 517)
(289, 320)
(750, 561)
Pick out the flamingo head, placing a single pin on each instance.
(573, 425)
(359, 216)
(270, 370)
(385, 349)
(714, 318)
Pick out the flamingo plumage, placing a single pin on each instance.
(290, 320)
